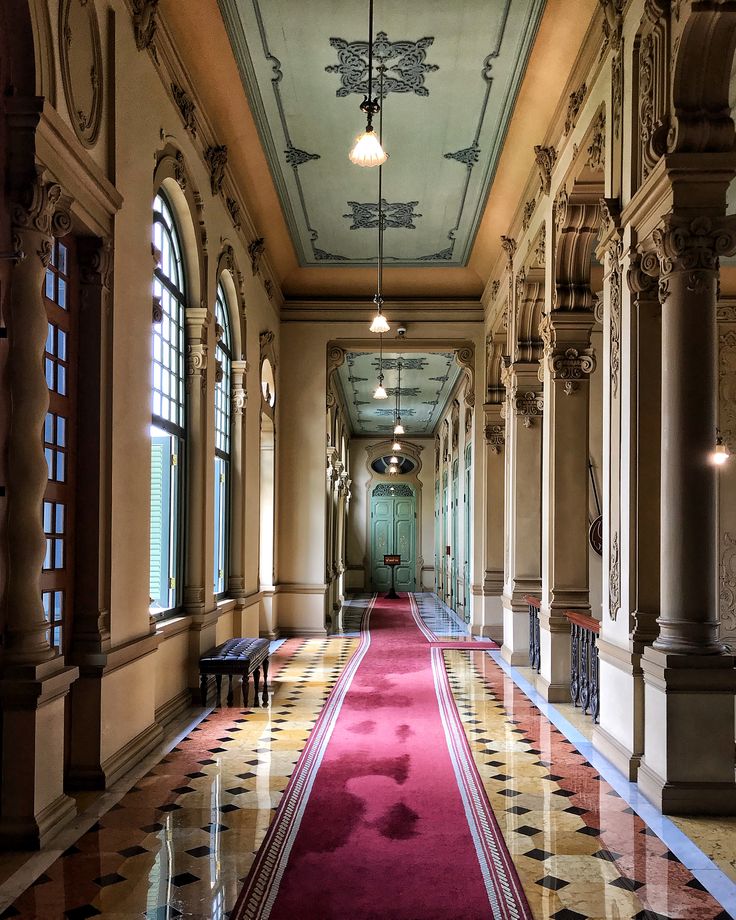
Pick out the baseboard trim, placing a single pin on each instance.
(301, 632)
(123, 760)
(552, 693)
(687, 798)
(176, 706)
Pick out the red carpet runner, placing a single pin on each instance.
(385, 815)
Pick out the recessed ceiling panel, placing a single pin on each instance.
(452, 72)
(427, 380)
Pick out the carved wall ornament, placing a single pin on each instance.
(80, 57)
(94, 256)
(219, 372)
(574, 105)
(465, 357)
(508, 244)
(529, 209)
(545, 158)
(598, 310)
(614, 579)
(529, 406)
(495, 288)
(216, 159)
(597, 148)
(268, 286)
(560, 207)
(727, 387)
(727, 593)
(41, 207)
(180, 172)
(233, 209)
(540, 247)
(157, 311)
(655, 55)
(256, 248)
(495, 437)
(468, 421)
(196, 364)
(615, 251)
(145, 25)
(186, 106)
(520, 285)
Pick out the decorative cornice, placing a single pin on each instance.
(186, 106)
(216, 158)
(545, 158)
(256, 248)
(573, 107)
(145, 25)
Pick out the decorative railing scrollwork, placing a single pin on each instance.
(584, 682)
(535, 657)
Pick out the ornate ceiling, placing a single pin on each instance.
(452, 75)
(427, 380)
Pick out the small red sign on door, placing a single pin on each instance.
(392, 560)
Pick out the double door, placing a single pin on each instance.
(393, 532)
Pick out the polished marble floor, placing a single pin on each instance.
(181, 840)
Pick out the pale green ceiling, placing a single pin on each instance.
(453, 72)
(427, 380)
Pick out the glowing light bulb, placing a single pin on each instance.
(394, 460)
(720, 453)
(396, 446)
(398, 427)
(367, 149)
(380, 392)
(380, 324)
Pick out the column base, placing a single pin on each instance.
(619, 755)
(515, 659)
(35, 832)
(688, 764)
(552, 692)
(687, 798)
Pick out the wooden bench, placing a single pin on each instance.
(236, 656)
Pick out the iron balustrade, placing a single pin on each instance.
(535, 657)
(584, 684)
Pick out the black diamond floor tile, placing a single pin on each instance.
(536, 853)
(528, 831)
(198, 852)
(82, 913)
(183, 878)
(566, 914)
(129, 852)
(552, 883)
(628, 884)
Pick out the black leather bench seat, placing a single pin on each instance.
(236, 656)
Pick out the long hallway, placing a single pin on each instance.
(182, 840)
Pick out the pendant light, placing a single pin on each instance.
(367, 149)
(396, 446)
(380, 323)
(398, 427)
(380, 392)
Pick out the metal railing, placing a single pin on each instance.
(584, 692)
(535, 657)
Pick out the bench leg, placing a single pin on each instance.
(218, 681)
(203, 690)
(230, 690)
(265, 682)
(256, 684)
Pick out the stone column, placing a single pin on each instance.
(238, 401)
(495, 429)
(568, 362)
(35, 680)
(524, 411)
(197, 321)
(688, 763)
(91, 622)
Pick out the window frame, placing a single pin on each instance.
(223, 443)
(174, 371)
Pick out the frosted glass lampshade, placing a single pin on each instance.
(399, 428)
(367, 150)
(380, 392)
(380, 324)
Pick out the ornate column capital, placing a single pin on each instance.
(545, 158)
(40, 212)
(567, 350)
(692, 246)
(528, 406)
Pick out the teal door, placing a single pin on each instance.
(468, 529)
(393, 531)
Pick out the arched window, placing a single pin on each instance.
(224, 356)
(168, 411)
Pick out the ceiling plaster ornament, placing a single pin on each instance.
(145, 25)
(296, 157)
(233, 209)
(573, 107)
(614, 579)
(256, 249)
(81, 67)
(468, 155)
(529, 406)
(186, 107)
(508, 244)
(545, 158)
(404, 62)
(529, 209)
(396, 214)
(495, 436)
(216, 159)
(597, 148)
